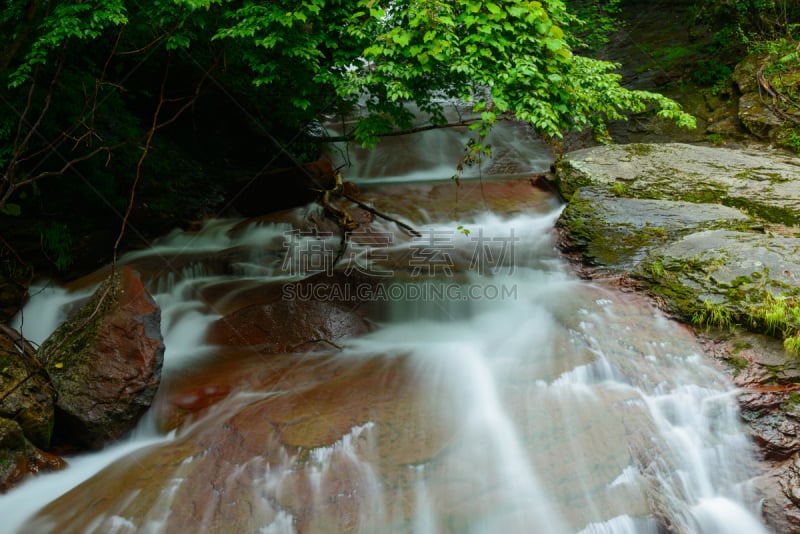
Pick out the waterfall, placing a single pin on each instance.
(495, 391)
(517, 151)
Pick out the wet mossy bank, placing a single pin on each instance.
(713, 234)
(697, 226)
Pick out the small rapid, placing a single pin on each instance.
(526, 401)
(493, 391)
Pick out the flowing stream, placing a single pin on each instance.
(495, 392)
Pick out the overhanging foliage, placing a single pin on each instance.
(85, 84)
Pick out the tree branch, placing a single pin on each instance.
(12, 187)
(382, 215)
(47, 101)
(351, 136)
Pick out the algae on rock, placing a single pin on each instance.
(698, 174)
(616, 233)
(674, 225)
(106, 362)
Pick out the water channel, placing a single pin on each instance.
(494, 392)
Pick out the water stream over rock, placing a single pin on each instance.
(473, 385)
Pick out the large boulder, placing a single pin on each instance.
(616, 233)
(12, 294)
(764, 183)
(674, 216)
(106, 362)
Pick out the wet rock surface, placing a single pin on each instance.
(288, 325)
(763, 183)
(281, 416)
(106, 363)
(711, 233)
(273, 408)
(26, 415)
(615, 233)
(27, 396)
(19, 457)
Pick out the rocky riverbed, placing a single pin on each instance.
(712, 234)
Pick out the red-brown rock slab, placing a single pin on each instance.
(106, 366)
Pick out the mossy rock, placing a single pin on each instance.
(765, 184)
(105, 362)
(668, 214)
(744, 75)
(31, 403)
(757, 117)
(19, 457)
(734, 272)
(616, 233)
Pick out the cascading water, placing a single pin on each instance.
(525, 401)
(433, 154)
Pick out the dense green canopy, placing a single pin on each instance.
(510, 57)
(98, 95)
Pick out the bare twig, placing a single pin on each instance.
(22, 344)
(148, 141)
(777, 97)
(382, 215)
(32, 364)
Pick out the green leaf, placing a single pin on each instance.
(501, 103)
(554, 45)
(516, 11)
(493, 8)
(11, 209)
(301, 103)
(177, 41)
(402, 38)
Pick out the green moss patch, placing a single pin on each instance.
(79, 332)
